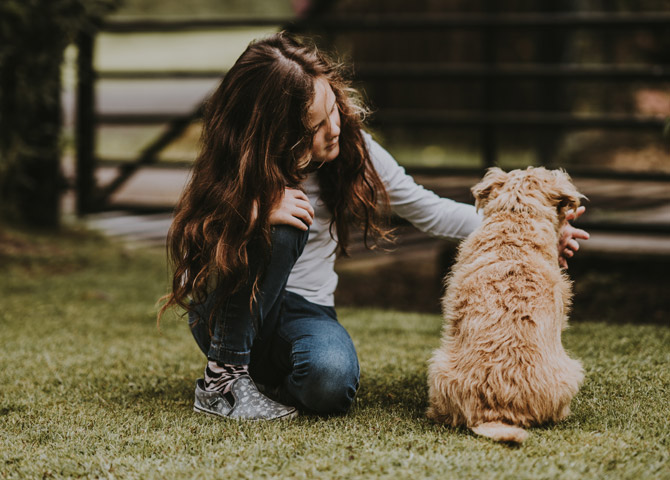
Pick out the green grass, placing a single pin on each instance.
(90, 388)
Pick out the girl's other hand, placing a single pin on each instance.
(294, 209)
(567, 242)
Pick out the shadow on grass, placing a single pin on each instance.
(147, 392)
(406, 393)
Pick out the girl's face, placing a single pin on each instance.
(324, 117)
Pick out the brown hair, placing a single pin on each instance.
(256, 142)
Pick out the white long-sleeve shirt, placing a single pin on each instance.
(313, 276)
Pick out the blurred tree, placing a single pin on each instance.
(33, 37)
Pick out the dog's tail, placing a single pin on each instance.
(501, 432)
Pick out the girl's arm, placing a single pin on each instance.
(427, 211)
(442, 217)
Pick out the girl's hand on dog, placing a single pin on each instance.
(567, 243)
(294, 209)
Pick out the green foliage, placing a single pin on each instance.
(90, 389)
(33, 37)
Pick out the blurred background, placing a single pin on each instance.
(455, 86)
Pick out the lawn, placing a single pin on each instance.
(90, 388)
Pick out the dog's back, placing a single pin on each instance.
(501, 361)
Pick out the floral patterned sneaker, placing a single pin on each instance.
(242, 402)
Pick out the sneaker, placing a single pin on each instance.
(271, 392)
(242, 402)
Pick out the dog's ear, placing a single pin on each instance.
(493, 180)
(564, 194)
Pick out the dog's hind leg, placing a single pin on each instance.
(442, 408)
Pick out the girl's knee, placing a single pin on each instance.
(286, 237)
(328, 383)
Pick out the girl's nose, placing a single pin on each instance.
(334, 124)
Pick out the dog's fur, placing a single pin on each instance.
(501, 365)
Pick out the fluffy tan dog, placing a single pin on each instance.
(501, 365)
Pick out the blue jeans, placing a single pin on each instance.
(290, 344)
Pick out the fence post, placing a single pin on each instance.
(489, 143)
(551, 49)
(85, 125)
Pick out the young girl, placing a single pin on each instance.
(284, 171)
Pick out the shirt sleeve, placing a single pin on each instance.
(430, 213)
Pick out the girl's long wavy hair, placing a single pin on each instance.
(256, 142)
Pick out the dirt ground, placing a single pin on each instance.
(618, 289)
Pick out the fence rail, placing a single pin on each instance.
(426, 118)
(408, 21)
(406, 71)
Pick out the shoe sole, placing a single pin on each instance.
(288, 416)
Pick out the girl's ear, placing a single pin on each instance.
(493, 180)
